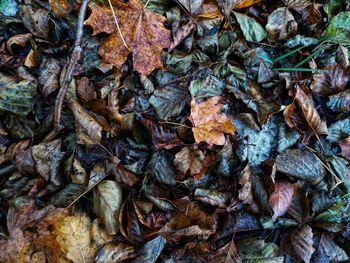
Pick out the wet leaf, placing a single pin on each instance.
(259, 251)
(36, 21)
(327, 250)
(142, 30)
(251, 29)
(17, 98)
(161, 169)
(281, 198)
(213, 198)
(115, 252)
(301, 164)
(338, 27)
(150, 251)
(189, 161)
(169, 101)
(302, 243)
(340, 102)
(209, 124)
(88, 129)
(49, 76)
(107, 203)
(8, 7)
(331, 81)
(339, 130)
(345, 148)
(310, 113)
(245, 194)
(281, 24)
(61, 7)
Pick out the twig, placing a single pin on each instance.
(76, 54)
(117, 24)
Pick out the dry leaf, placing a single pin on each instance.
(209, 124)
(142, 30)
(345, 148)
(309, 111)
(79, 238)
(281, 198)
(244, 3)
(331, 81)
(281, 24)
(245, 194)
(88, 129)
(181, 34)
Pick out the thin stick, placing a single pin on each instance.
(146, 4)
(117, 24)
(76, 54)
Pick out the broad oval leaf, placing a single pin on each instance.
(301, 164)
(251, 29)
(281, 24)
(281, 198)
(169, 101)
(302, 242)
(150, 251)
(161, 169)
(340, 102)
(107, 203)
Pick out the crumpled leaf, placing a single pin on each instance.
(17, 98)
(169, 101)
(331, 81)
(301, 164)
(36, 21)
(88, 129)
(150, 251)
(107, 203)
(286, 137)
(142, 30)
(281, 198)
(44, 155)
(79, 238)
(309, 111)
(281, 24)
(189, 160)
(49, 76)
(251, 29)
(209, 124)
(245, 194)
(213, 198)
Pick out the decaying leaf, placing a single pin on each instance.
(107, 203)
(79, 238)
(142, 30)
(309, 111)
(340, 102)
(209, 124)
(89, 130)
(302, 243)
(189, 161)
(281, 24)
(251, 29)
(331, 81)
(301, 164)
(281, 198)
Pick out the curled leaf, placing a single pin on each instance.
(281, 24)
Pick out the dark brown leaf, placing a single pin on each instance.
(281, 198)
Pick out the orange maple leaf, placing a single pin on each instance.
(143, 31)
(209, 124)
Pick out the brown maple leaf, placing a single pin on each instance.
(209, 124)
(143, 31)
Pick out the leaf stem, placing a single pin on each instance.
(117, 24)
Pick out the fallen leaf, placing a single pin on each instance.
(191, 6)
(281, 198)
(115, 252)
(340, 102)
(79, 238)
(107, 203)
(309, 111)
(301, 164)
(189, 160)
(150, 251)
(61, 7)
(214, 198)
(142, 30)
(183, 32)
(281, 24)
(209, 124)
(88, 129)
(302, 242)
(327, 250)
(331, 81)
(245, 194)
(345, 148)
(251, 29)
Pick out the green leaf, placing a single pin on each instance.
(150, 251)
(169, 101)
(17, 98)
(339, 28)
(8, 7)
(107, 203)
(205, 88)
(251, 29)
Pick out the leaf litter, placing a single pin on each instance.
(174, 131)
